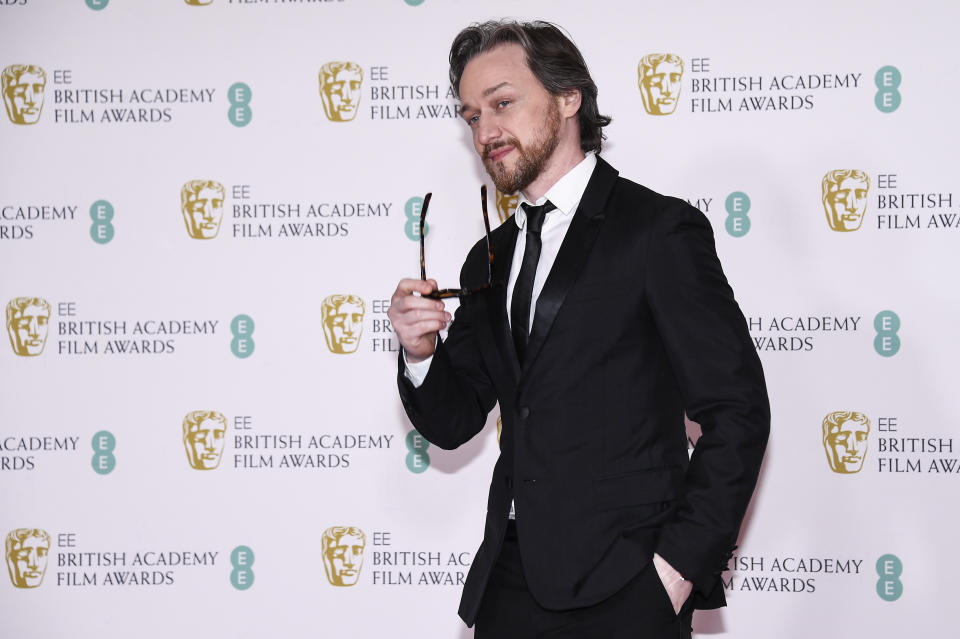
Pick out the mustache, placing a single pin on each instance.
(493, 146)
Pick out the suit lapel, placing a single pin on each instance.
(570, 260)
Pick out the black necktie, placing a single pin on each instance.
(523, 288)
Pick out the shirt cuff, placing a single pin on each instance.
(416, 372)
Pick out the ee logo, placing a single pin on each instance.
(412, 212)
(242, 329)
(103, 461)
(240, 113)
(417, 458)
(887, 342)
(889, 586)
(241, 577)
(101, 212)
(737, 205)
(888, 81)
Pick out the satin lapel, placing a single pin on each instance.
(573, 254)
(503, 245)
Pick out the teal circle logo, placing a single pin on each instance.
(98, 5)
(737, 205)
(411, 210)
(417, 458)
(241, 577)
(889, 569)
(242, 344)
(414, 3)
(101, 231)
(103, 461)
(887, 98)
(240, 113)
(887, 342)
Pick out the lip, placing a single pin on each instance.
(499, 153)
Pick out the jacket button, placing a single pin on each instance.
(524, 412)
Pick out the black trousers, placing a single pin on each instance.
(640, 610)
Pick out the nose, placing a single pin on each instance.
(33, 560)
(487, 131)
(29, 95)
(33, 328)
(349, 326)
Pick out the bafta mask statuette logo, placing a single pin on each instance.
(28, 321)
(23, 87)
(204, 433)
(27, 550)
(340, 84)
(659, 78)
(845, 440)
(506, 204)
(342, 317)
(845, 198)
(343, 554)
(201, 202)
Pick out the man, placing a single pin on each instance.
(598, 524)
(340, 90)
(844, 195)
(204, 433)
(23, 87)
(343, 554)
(342, 317)
(201, 202)
(26, 552)
(845, 440)
(28, 322)
(660, 75)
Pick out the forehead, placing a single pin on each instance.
(851, 183)
(850, 425)
(348, 540)
(207, 193)
(347, 308)
(210, 424)
(31, 542)
(343, 74)
(504, 63)
(33, 311)
(28, 77)
(663, 67)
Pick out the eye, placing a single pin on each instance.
(502, 104)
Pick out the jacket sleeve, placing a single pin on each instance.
(723, 388)
(452, 404)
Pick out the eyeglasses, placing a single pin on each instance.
(457, 292)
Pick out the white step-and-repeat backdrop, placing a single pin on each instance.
(205, 207)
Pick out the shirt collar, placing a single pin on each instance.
(566, 193)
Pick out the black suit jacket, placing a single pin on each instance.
(635, 325)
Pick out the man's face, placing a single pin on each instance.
(205, 444)
(847, 446)
(343, 560)
(28, 330)
(341, 94)
(27, 562)
(24, 98)
(343, 327)
(203, 213)
(515, 121)
(660, 89)
(846, 203)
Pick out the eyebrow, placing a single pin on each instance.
(464, 106)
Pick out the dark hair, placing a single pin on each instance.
(552, 57)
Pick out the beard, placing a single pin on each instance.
(531, 159)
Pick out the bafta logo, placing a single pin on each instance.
(342, 317)
(28, 320)
(506, 205)
(23, 86)
(845, 440)
(660, 75)
(201, 202)
(340, 84)
(343, 554)
(845, 198)
(198, 3)
(27, 550)
(204, 432)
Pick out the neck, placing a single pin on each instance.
(567, 155)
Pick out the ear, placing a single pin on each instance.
(569, 103)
